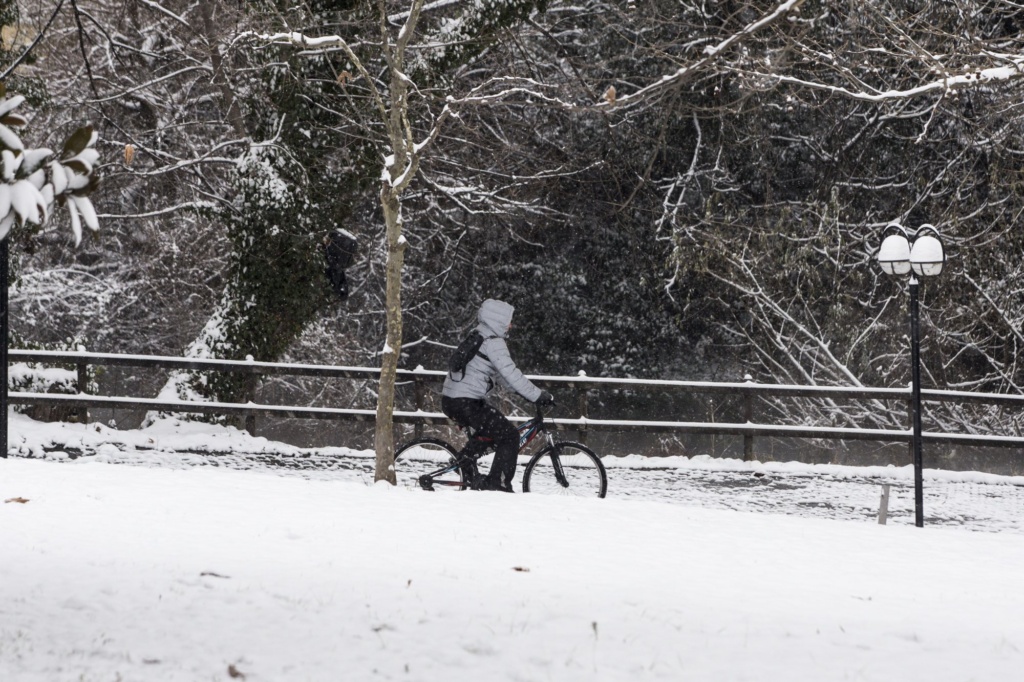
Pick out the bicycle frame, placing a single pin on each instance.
(528, 431)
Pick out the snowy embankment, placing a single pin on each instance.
(821, 491)
(183, 572)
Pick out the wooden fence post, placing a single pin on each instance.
(83, 387)
(748, 417)
(420, 396)
(584, 406)
(250, 392)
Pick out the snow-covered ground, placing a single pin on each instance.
(281, 564)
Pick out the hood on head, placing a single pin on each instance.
(495, 316)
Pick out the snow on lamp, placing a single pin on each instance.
(927, 255)
(894, 254)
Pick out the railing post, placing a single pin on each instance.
(583, 404)
(420, 397)
(83, 387)
(250, 393)
(748, 417)
(883, 505)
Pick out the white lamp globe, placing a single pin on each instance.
(894, 255)
(927, 256)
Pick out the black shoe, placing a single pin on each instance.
(506, 485)
(488, 483)
(480, 482)
(469, 472)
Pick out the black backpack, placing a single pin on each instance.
(464, 352)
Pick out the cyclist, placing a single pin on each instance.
(464, 400)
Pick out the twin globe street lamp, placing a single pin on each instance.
(920, 256)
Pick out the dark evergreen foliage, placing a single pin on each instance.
(724, 224)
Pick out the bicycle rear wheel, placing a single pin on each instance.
(566, 468)
(428, 457)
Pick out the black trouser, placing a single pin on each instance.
(488, 422)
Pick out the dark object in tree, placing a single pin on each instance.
(339, 251)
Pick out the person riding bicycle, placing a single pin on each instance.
(464, 400)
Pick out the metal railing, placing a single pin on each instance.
(746, 392)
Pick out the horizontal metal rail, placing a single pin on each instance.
(343, 372)
(582, 384)
(419, 417)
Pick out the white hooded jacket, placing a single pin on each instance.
(478, 380)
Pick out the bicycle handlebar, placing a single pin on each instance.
(538, 415)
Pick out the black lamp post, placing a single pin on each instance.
(923, 256)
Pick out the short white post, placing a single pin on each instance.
(883, 507)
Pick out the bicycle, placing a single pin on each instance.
(560, 467)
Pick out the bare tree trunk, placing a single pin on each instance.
(384, 436)
(399, 171)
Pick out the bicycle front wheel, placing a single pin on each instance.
(428, 458)
(566, 468)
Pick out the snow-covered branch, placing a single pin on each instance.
(709, 56)
(528, 88)
(148, 84)
(189, 206)
(975, 78)
(157, 7)
(320, 44)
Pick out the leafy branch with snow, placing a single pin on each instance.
(34, 181)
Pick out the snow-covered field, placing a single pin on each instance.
(278, 564)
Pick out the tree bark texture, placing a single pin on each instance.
(384, 436)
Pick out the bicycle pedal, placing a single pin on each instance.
(426, 482)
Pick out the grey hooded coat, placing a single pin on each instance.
(495, 317)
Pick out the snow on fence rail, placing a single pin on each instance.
(747, 391)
